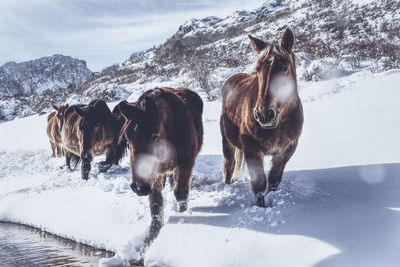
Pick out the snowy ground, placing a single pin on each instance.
(338, 205)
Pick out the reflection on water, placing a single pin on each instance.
(25, 246)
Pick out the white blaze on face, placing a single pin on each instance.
(282, 88)
(163, 150)
(145, 165)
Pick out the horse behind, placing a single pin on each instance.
(91, 130)
(164, 130)
(262, 115)
(55, 121)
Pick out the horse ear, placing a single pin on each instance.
(80, 112)
(55, 107)
(258, 44)
(149, 106)
(130, 112)
(287, 40)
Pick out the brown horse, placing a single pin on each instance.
(164, 130)
(55, 121)
(262, 115)
(91, 130)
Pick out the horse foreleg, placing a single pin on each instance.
(156, 210)
(85, 168)
(53, 149)
(182, 183)
(254, 163)
(278, 165)
(105, 165)
(59, 151)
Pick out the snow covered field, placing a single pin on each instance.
(338, 204)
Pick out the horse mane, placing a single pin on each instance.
(274, 47)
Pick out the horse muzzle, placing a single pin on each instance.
(267, 119)
(141, 189)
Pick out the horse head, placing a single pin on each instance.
(276, 74)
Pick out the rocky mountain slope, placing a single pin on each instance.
(28, 87)
(333, 38)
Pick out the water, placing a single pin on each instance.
(25, 246)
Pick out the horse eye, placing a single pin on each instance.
(285, 69)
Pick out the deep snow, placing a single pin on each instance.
(338, 204)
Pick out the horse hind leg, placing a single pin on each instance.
(238, 164)
(53, 149)
(105, 165)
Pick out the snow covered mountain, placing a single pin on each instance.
(333, 38)
(27, 87)
(43, 74)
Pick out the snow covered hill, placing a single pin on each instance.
(338, 205)
(29, 87)
(333, 38)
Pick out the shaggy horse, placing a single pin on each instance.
(262, 115)
(164, 131)
(55, 121)
(91, 130)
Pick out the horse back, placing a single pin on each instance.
(181, 118)
(195, 105)
(101, 112)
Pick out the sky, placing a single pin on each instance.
(100, 32)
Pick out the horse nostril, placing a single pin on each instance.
(270, 114)
(256, 114)
(141, 189)
(134, 187)
(145, 189)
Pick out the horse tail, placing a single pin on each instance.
(195, 105)
(120, 151)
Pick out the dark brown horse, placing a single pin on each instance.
(262, 115)
(55, 121)
(91, 130)
(164, 131)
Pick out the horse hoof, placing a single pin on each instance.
(155, 228)
(85, 176)
(182, 206)
(227, 181)
(103, 166)
(260, 200)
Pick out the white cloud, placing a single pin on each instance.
(100, 32)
